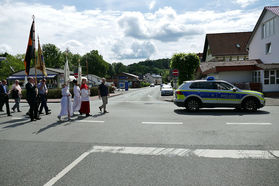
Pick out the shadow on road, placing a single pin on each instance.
(219, 112)
(16, 124)
(49, 126)
(14, 120)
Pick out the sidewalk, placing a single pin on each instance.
(116, 93)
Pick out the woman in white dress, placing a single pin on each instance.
(66, 103)
(77, 100)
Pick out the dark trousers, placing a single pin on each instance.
(1, 104)
(43, 100)
(6, 102)
(33, 111)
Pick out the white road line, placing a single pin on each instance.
(66, 170)
(248, 123)
(181, 152)
(88, 121)
(16, 118)
(161, 123)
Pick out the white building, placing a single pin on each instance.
(153, 78)
(264, 45)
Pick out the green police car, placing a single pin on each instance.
(216, 93)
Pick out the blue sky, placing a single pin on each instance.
(125, 30)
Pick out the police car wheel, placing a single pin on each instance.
(250, 105)
(192, 105)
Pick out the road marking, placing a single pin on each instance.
(89, 121)
(161, 123)
(181, 152)
(17, 118)
(66, 170)
(249, 123)
(169, 152)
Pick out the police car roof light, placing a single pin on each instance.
(210, 78)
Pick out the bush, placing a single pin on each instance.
(56, 93)
(144, 84)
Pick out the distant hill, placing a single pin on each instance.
(159, 66)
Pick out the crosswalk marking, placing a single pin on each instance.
(248, 123)
(161, 123)
(183, 152)
(89, 121)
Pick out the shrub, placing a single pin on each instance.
(56, 93)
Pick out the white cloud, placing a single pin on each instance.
(5, 48)
(117, 35)
(164, 25)
(151, 5)
(245, 3)
(134, 50)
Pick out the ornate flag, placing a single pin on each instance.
(79, 74)
(40, 65)
(66, 72)
(30, 52)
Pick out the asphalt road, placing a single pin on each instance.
(143, 140)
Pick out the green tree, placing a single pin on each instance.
(53, 56)
(96, 64)
(119, 67)
(187, 64)
(11, 65)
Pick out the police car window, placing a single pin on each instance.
(209, 85)
(224, 86)
(195, 85)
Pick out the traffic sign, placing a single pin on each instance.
(76, 75)
(175, 72)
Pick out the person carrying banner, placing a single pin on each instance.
(43, 90)
(66, 103)
(85, 102)
(77, 100)
(31, 96)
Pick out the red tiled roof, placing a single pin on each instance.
(273, 9)
(222, 44)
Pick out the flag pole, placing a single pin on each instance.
(35, 62)
(87, 69)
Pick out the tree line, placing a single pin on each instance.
(55, 58)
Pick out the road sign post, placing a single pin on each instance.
(175, 74)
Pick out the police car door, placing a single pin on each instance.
(208, 92)
(227, 95)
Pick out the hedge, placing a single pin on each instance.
(56, 93)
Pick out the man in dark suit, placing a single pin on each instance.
(4, 94)
(1, 100)
(31, 96)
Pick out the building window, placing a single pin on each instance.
(268, 48)
(272, 77)
(266, 77)
(277, 77)
(268, 28)
(256, 77)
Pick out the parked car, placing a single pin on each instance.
(152, 85)
(166, 90)
(216, 93)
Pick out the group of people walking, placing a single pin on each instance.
(36, 96)
(81, 103)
